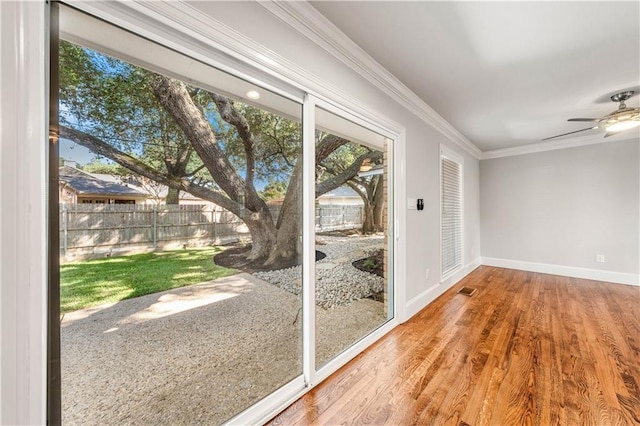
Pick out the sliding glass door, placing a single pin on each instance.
(353, 286)
(222, 239)
(180, 234)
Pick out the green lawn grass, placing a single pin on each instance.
(94, 282)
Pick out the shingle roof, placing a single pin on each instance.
(342, 191)
(83, 183)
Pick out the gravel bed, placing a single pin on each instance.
(338, 282)
(194, 355)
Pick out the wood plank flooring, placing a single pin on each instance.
(526, 348)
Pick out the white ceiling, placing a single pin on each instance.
(503, 74)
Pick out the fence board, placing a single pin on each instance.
(88, 230)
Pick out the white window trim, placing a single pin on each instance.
(181, 27)
(24, 126)
(450, 154)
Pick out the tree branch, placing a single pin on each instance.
(326, 145)
(100, 147)
(193, 173)
(359, 191)
(231, 115)
(174, 97)
(351, 171)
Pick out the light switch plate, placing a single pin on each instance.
(411, 203)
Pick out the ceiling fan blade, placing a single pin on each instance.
(584, 119)
(570, 133)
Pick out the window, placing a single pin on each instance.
(251, 142)
(239, 144)
(451, 210)
(362, 261)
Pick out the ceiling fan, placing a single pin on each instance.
(624, 118)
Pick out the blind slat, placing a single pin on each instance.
(451, 215)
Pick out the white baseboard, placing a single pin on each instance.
(423, 299)
(568, 271)
(416, 304)
(461, 273)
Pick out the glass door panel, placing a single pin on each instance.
(353, 244)
(180, 229)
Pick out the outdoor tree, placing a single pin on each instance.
(197, 141)
(109, 99)
(274, 190)
(102, 167)
(371, 191)
(369, 187)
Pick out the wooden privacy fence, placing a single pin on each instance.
(331, 217)
(98, 229)
(90, 230)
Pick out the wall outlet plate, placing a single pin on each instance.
(600, 258)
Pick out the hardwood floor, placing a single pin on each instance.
(526, 348)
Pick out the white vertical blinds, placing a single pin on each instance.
(451, 219)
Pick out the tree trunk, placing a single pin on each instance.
(378, 204)
(173, 196)
(263, 236)
(233, 192)
(368, 226)
(288, 242)
(369, 209)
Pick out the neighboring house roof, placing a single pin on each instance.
(159, 192)
(342, 191)
(105, 176)
(124, 181)
(83, 183)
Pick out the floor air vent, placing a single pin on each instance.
(467, 291)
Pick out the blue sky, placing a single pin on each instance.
(72, 151)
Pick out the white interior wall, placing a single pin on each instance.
(554, 211)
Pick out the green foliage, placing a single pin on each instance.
(103, 167)
(370, 264)
(274, 190)
(99, 281)
(114, 101)
(278, 142)
(341, 159)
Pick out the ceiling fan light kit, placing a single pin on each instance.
(624, 118)
(619, 126)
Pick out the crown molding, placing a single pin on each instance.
(554, 145)
(177, 24)
(305, 19)
(309, 22)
